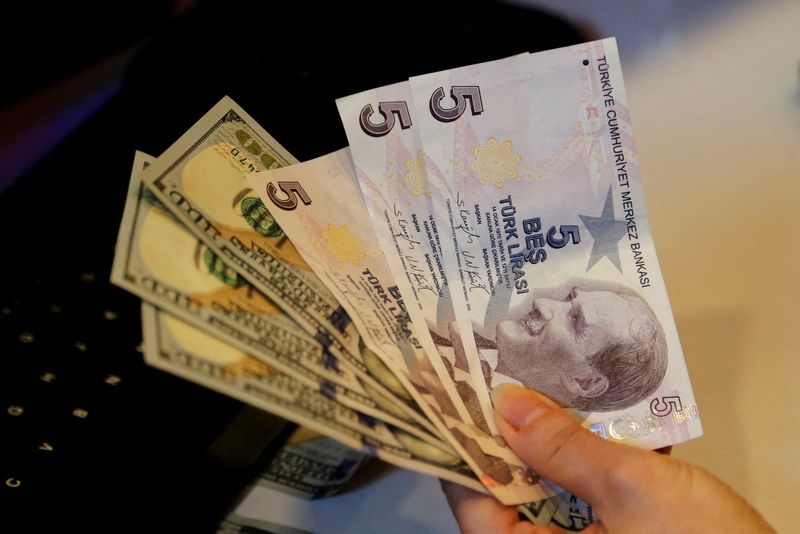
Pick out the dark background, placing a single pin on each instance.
(136, 76)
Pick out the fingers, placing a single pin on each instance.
(556, 447)
(479, 513)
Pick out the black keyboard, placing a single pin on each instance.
(66, 374)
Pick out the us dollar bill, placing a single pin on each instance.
(554, 254)
(158, 259)
(179, 348)
(201, 179)
(237, 524)
(334, 233)
(311, 465)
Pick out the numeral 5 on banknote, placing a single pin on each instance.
(461, 95)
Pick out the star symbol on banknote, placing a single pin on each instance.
(606, 232)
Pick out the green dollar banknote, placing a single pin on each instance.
(186, 351)
(311, 465)
(201, 179)
(158, 259)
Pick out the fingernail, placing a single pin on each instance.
(497, 392)
(517, 405)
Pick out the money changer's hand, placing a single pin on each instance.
(631, 490)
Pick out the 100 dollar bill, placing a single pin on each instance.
(201, 179)
(158, 259)
(181, 349)
(311, 465)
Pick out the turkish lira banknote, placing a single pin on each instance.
(554, 254)
(399, 184)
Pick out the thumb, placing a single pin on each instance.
(555, 446)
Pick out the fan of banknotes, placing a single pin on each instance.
(486, 225)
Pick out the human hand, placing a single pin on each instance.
(631, 490)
